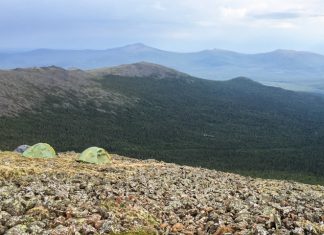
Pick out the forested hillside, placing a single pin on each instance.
(237, 125)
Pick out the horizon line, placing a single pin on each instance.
(25, 50)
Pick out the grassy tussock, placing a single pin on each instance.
(13, 165)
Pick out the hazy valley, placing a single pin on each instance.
(295, 70)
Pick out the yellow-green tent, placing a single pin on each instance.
(40, 150)
(95, 155)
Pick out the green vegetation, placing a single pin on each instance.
(137, 232)
(238, 126)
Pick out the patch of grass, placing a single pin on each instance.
(137, 232)
(122, 206)
(13, 165)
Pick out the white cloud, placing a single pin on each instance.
(241, 24)
(158, 6)
(284, 25)
(233, 13)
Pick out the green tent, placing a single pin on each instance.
(95, 155)
(40, 150)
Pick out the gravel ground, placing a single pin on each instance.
(62, 196)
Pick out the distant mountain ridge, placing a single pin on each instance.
(296, 70)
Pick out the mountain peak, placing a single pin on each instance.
(285, 52)
(138, 44)
(137, 47)
(243, 80)
(141, 69)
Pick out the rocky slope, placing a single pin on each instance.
(62, 196)
(23, 90)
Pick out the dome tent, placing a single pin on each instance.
(95, 155)
(40, 150)
(21, 148)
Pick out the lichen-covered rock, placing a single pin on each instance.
(19, 229)
(178, 227)
(13, 221)
(14, 206)
(39, 213)
(88, 229)
(2, 229)
(298, 231)
(36, 228)
(259, 230)
(4, 217)
(60, 230)
(107, 227)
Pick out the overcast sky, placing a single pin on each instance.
(177, 25)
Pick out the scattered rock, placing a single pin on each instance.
(60, 196)
(35, 228)
(298, 231)
(38, 213)
(4, 217)
(19, 229)
(177, 228)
